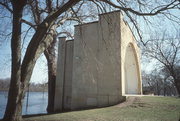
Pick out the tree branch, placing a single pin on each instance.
(29, 23)
(152, 13)
(6, 6)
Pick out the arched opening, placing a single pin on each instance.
(131, 71)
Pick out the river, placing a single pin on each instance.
(37, 103)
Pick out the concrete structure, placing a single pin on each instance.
(99, 66)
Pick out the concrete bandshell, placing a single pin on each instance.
(99, 67)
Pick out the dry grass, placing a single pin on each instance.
(141, 109)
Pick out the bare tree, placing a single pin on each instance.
(144, 9)
(166, 52)
(158, 83)
(14, 90)
(21, 72)
(74, 14)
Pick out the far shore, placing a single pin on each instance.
(6, 90)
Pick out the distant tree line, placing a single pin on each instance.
(4, 86)
(164, 79)
(157, 84)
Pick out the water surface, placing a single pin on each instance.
(37, 103)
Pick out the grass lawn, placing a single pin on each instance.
(142, 109)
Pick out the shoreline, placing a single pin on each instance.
(6, 90)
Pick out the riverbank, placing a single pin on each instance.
(32, 87)
(150, 108)
(36, 90)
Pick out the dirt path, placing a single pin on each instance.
(129, 101)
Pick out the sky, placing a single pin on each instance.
(40, 71)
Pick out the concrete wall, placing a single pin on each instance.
(99, 67)
(97, 63)
(85, 75)
(68, 74)
(63, 88)
(58, 100)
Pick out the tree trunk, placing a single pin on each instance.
(177, 85)
(37, 45)
(14, 104)
(51, 62)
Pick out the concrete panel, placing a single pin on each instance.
(67, 92)
(109, 55)
(85, 76)
(58, 102)
(63, 89)
(103, 100)
(92, 102)
(96, 58)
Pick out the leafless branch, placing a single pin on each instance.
(6, 6)
(29, 23)
(153, 12)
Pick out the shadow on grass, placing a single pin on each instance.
(83, 109)
(36, 115)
